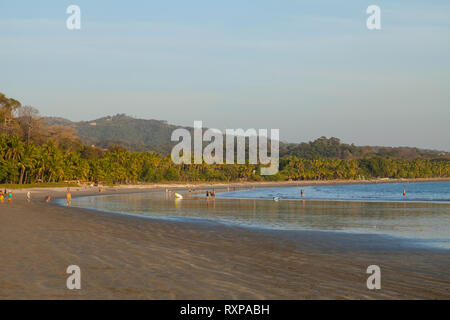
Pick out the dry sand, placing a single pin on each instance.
(126, 257)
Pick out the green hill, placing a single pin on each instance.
(154, 136)
(133, 134)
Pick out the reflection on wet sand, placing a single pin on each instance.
(425, 223)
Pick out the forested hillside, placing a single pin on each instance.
(154, 135)
(32, 151)
(133, 134)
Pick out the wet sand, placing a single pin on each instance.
(126, 257)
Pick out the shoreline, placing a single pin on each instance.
(177, 186)
(81, 191)
(127, 257)
(402, 240)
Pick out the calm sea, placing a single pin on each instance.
(417, 191)
(422, 216)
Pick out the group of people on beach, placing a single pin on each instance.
(7, 195)
(210, 194)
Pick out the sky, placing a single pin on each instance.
(308, 68)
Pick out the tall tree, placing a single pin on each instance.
(29, 121)
(8, 106)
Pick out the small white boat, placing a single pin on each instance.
(177, 195)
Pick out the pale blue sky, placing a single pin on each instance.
(309, 68)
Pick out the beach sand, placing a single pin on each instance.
(126, 257)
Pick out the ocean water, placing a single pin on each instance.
(422, 217)
(417, 191)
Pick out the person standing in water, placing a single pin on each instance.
(302, 192)
(10, 196)
(404, 192)
(68, 197)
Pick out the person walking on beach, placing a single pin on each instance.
(68, 198)
(28, 196)
(2, 197)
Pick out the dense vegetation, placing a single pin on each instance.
(31, 152)
(334, 148)
(133, 134)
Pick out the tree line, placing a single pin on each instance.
(31, 152)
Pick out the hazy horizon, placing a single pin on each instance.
(308, 69)
(223, 130)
